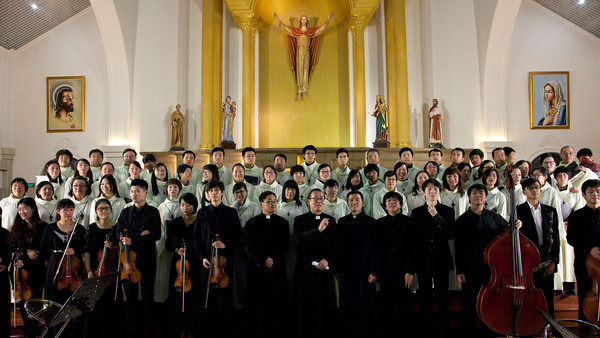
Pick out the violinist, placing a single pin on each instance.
(143, 224)
(583, 234)
(52, 250)
(434, 224)
(267, 240)
(24, 241)
(4, 284)
(216, 218)
(104, 248)
(474, 230)
(540, 225)
(179, 232)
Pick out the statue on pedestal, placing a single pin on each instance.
(435, 125)
(303, 43)
(228, 110)
(382, 126)
(177, 124)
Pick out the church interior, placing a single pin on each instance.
(141, 58)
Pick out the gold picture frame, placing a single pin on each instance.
(65, 102)
(549, 100)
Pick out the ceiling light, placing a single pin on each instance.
(34, 6)
(581, 2)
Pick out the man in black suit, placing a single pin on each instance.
(540, 225)
(434, 223)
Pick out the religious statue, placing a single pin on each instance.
(303, 43)
(177, 123)
(228, 110)
(435, 125)
(381, 115)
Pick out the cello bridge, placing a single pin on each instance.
(516, 287)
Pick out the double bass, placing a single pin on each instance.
(507, 304)
(591, 302)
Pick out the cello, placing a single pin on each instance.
(507, 304)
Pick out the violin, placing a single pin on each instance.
(105, 257)
(22, 291)
(183, 281)
(507, 304)
(217, 278)
(591, 302)
(69, 265)
(129, 273)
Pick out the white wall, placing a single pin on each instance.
(542, 41)
(72, 48)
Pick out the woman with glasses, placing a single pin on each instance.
(109, 191)
(81, 197)
(269, 183)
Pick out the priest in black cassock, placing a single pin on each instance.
(315, 234)
(267, 240)
(434, 223)
(358, 267)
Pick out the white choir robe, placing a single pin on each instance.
(318, 185)
(229, 199)
(520, 198)
(47, 210)
(382, 171)
(570, 201)
(247, 211)
(169, 210)
(415, 200)
(66, 172)
(9, 211)
(566, 272)
(341, 176)
(58, 188)
(196, 177)
(255, 171)
(304, 191)
(495, 201)
(96, 188)
(192, 189)
(578, 179)
(121, 173)
(282, 177)
(337, 209)
(311, 173)
(225, 175)
(83, 210)
(404, 187)
(117, 204)
(124, 189)
(96, 173)
(412, 173)
(368, 191)
(273, 187)
(162, 194)
(379, 211)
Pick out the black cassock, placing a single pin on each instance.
(357, 259)
(267, 236)
(314, 287)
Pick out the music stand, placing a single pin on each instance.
(82, 301)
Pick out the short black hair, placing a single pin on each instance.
(477, 186)
(373, 150)
(309, 147)
(315, 190)
(217, 149)
(508, 151)
(391, 194)
(129, 149)
(412, 153)
(247, 149)
(497, 149)
(371, 167)
(435, 150)
(176, 182)
(65, 203)
(462, 166)
(462, 151)
(263, 196)
(561, 170)
(389, 173)
(191, 199)
(148, 158)
(96, 151)
(215, 184)
(400, 164)
(297, 168)
(282, 155)
(528, 182)
(331, 183)
(595, 183)
(323, 166)
(19, 180)
(138, 182)
(182, 168)
(40, 186)
(64, 152)
(136, 163)
(188, 152)
(580, 153)
(433, 181)
(355, 192)
(476, 151)
(542, 171)
(342, 150)
(238, 186)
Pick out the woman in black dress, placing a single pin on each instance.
(179, 230)
(104, 320)
(24, 241)
(52, 248)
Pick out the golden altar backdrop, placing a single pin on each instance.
(322, 117)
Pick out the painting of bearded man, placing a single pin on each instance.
(65, 96)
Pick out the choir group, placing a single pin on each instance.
(310, 251)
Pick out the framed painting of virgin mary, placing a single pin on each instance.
(549, 100)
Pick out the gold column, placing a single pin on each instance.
(358, 22)
(212, 26)
(249, 26)
(397, 78)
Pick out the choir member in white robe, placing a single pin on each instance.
(571, 198)
(372, 186)
(210, 173)
(157, 186)
(417, 197)
(184, 172)
(135, 169)
(434, 170)
(109, 191)
(18, 188)
(269, 183)
(465, 174)
(46, 203)
(499, 158)
(82, 198)
(297, 173)
(96, 158)
(279, 162)
(495, 200)
(310, 165)
(64, 158)
(324, 172)
(52, 174)
(389, 180)
(122, 171)
(253, 172)
(245, 208)
(406, 155)
(353, 183)
(435, 155)
(82, 168)
(334, 206)
(373, 158)
(476, 157)
(189, 158)
(520, 197)
(238, 172)
(107, 168)
(403, 183)
(340, 174)
(149, 162)
(218, 156)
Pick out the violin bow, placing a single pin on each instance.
(66, 248)
(209, 277)
(183, 288)
(119, 267)
(14, 287)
